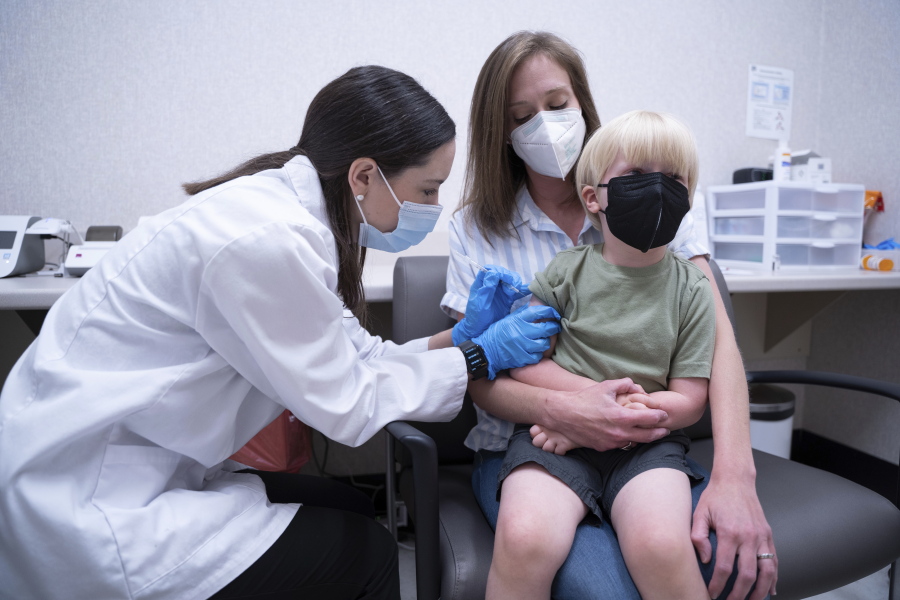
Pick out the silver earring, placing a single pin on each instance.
(359, 197)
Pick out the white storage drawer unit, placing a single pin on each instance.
(768, 224)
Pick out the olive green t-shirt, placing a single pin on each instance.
(647, 323)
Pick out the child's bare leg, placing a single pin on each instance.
(652, 518)
(535, 529)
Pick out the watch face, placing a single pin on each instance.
(476, 361)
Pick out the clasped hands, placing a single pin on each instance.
(634, 397)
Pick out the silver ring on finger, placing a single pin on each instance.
(627, 446)
(765, 556)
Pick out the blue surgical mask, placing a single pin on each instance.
(414, 223)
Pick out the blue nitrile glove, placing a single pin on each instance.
(516, 340)
(490, 298)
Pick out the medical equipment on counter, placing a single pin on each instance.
(99, 239)
(19, 253)
(751, 174)
(55, 228)
(61, 229)
(103, 233)
(82, 257)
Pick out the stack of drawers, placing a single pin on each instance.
(770, 225)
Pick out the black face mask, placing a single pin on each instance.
(645, 210)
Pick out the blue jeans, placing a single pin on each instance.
(595, 567)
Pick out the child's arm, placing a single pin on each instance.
(684, 401)
(547, 374)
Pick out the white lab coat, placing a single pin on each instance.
(190, 336)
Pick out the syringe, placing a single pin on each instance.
(481, 268)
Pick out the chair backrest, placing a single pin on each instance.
(419, 285)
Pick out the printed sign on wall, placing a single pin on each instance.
(769, 101)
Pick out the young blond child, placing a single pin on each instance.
(630, 309)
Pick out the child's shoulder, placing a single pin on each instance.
(690, 270)
(693, 279)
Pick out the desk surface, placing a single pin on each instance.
(26, 293)
(826, 279)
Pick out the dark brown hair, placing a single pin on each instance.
(368, 112)
(494, 173)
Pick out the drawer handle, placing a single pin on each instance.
(823, 245)
(825, 217)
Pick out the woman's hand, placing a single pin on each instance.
(490, 298)
(519, 339)
(732, 509)
(592, 417)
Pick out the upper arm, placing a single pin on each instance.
(282, 328)
(723, 323)
(535, 301)
(695, 345)
(460, 272)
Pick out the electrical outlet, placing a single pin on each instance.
(402, 514)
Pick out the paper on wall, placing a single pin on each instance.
(770, 98)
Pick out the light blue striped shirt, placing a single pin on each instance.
(535, 241)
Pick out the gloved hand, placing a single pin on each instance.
(489, 301)
(516, 340)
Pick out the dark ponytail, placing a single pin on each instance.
(368, 112)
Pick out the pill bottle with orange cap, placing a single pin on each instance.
(870, 262)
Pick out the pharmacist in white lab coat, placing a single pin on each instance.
(197, 330)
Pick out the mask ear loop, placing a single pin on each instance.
(603, 185)
(359, 198)
(390, 189)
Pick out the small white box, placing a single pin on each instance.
(82, 257)
(815, 171)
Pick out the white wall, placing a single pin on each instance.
(108, 106)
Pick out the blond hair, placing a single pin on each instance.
(494, 173)
(642, 137)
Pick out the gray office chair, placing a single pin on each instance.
(828, 531)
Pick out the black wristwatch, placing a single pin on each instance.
(476, 361)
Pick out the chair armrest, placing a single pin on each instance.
(423, 452)
(836, 380)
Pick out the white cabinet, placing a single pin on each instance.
(769, 225)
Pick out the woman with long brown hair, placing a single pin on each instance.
(531, 111)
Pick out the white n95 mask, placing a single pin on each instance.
(414, 223)
(551, 142)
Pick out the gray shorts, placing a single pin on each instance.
(597, 477)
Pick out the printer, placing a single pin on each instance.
(98, 240)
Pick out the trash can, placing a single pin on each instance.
(771, 419)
